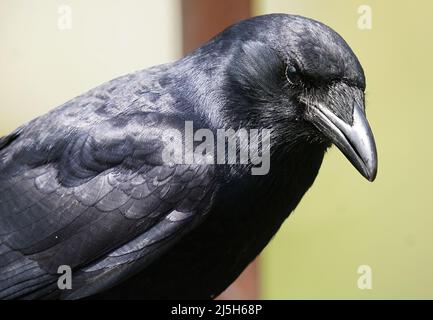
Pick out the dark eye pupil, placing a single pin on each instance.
(292, 75)
(292, 69)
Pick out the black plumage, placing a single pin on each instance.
(85, 184)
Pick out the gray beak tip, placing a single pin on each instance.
(371, 174)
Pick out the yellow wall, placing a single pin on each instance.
(42, 66)
(344, 221)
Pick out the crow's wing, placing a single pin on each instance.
(98, 199)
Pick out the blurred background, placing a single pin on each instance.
(53, 51)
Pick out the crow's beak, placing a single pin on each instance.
(355, 140)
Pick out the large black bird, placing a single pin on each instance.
(86, 185)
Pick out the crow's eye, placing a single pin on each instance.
(292, 75)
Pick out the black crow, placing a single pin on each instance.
(86, 186)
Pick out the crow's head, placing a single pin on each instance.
(293, 72)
